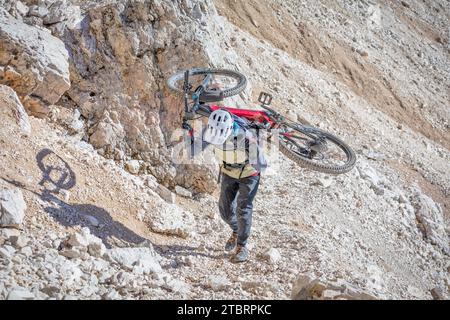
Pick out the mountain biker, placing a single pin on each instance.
(242, 160)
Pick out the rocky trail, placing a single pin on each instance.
(93, 207)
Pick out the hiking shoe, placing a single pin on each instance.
(231, 243)
(241, 254)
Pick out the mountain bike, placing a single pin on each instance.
(307, 146)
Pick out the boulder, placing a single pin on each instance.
(438, 294)
(133, 166)
(108, 132)
(9, 232)
(151, 182)
(21, 8)
(74, 123)
(26, 251)
(218, 283)
(176, 285)
(325, 181)
(57, 12)
(77, 240)
(112, 295)
(171, 220)
(272, 255)
(79, 244)
(166, 194)
(18, 241)
(306, 288)
(62, 16)
(71, 253)
(430, 218)
(4, 253)
(69, 273)
(183, 192)
(12, 110)
(51, 291)
(38, 11)
(96, 248)
(12, 208)
(19, 293)
(37, 64)
(369, 174)
(132, 258)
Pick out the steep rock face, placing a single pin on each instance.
(121, 56)
(22, 46)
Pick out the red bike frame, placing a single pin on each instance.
(258, 116)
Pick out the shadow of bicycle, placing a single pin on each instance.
(57, 179)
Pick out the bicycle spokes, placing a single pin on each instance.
(313, 147)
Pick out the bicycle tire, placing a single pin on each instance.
(325, 168)
(238, 88)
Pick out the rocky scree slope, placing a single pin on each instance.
(379, 231)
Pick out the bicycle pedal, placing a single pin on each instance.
(265, 98)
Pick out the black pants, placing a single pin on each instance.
(236, 204)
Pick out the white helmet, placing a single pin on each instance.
(220, 126)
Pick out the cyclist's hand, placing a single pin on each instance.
(187, 126)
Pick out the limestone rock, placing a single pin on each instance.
(166, 194)
(9, 232)
(272, 255)
(107, 133)
(63, 15)
(71, 253)
(176, 285)
(19, 293)
(369, 174)
(133, 166)
(75, 124)
(96, 248)
(130, 258)
(51, 291)
(19, 241)
(4, 253)
(431, 220)
(21, 8)
(26, 251)
(121, 69)
(77, 240)
(11, 109)
(306, 288)
(12, 208)
(325, 181)
(183, 192)
(79, 244)
(171, 220)
(57, 12)
(38, 11)
(151, 182)
(438, 294)
(37, 60)
(218, 283)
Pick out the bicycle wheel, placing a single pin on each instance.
(227, 83)
(316, 149)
